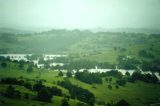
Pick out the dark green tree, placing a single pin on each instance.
(4, 64)
(30, 68)
(69, 74)
(122, 103)
(60, 73)
(64, 102)
(44, 95)
(10, 91)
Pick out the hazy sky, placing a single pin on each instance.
(80, 13)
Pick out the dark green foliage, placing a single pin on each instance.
(30, 67)
(146, 54)
(122, 103)
(85, 64)
(127, 73)
(44, 95)
(110, 87)
(69, 74)
(10, 81)
(38, 86)
(27, 85)
(60, 73)
(88, 77)
(79, 93)
(113, 73)
(4, 64)
(121, 82)
(127, 63)
(17, 94)
(150, 78)
(119, 103)
(64, 102)
(152, 65)
(10, 91)
(117, 86)
(21, 64)
(26, 96)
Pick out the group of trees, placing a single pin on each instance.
(145, 54)
(68, 74)
(83, 64)
(127, 63)
(88, 77)
(149, 78)
(119, 103)
(78, 92)
(44, 93)
(3, 62)
(112, 73)
(12, 93)
(152, 66)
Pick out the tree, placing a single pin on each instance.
(60, 73)
(17, 94)
(38, 86)
(64, 102)
(127, 73)
(117, 86)
(30, 68)
(121, 82)
(109, 86)
(4, 64)
(122, 103)
(26, 96)
(21, 64)
(69, 74)
(44, 95)
(10, 91)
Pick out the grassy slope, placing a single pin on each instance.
(138, 94)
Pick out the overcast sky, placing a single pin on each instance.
(80, 13)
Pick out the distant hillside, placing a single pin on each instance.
(129, 30)
(98, 46)
(14, 31)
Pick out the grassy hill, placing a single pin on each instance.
(137, 94)
(99, 46)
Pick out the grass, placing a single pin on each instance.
(137, 94)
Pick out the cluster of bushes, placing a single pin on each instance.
(112, 73)
(12, 93)
(82, 64)
(38, 86)
(146, 54)
(122, 102)
(127, 63)
(119, 103)
(14, 81)
(151, 66)
(78, 92)
(45, 93)
(121, 82)
(88, 77)
(150, 78)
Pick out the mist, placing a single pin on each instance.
(81, 14)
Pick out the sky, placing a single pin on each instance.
(81, 14)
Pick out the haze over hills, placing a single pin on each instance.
(37, 30)
(79, 52)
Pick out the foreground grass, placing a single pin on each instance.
(137, 94)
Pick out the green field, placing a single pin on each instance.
(137, 94)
